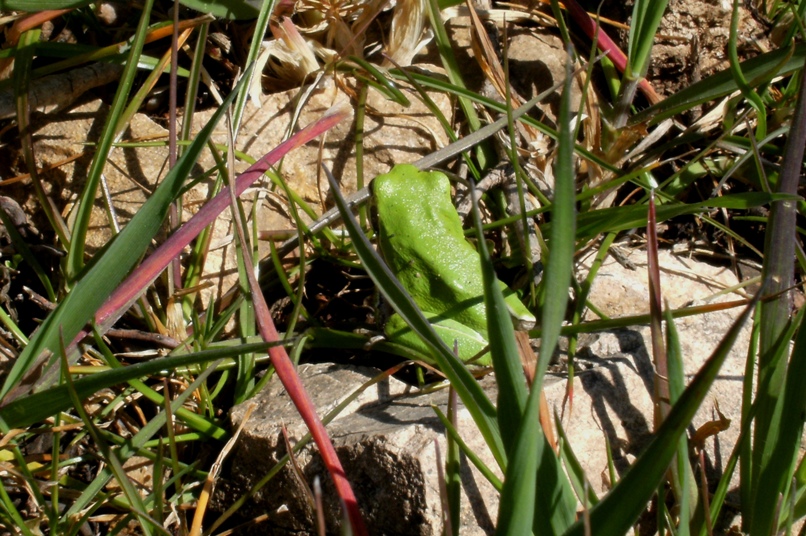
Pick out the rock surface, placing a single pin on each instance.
(386, 438)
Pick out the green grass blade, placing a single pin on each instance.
(555, 503)
(683, 481)
(22, 248)
(75, 255)
(537, 495)
(114, 263)
(24, 54)
(560, 263)
(646, 16)
(26, 411)
(576, 473)
(782, 445)
(132, 446)
(748, 92)
(778, 278)
(617, 219)
(512, 392)
(763, 67)
(484, 151)
(518, 510)
(110, 457)
(453, 433)
(9, 513)
(453, 471)
(261, 24)
(743, 441)
(381, 82)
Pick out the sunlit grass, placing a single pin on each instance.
(179, 397)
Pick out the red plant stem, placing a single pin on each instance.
(607, 45)
(149, 270)
(29, 22)
(290, 380)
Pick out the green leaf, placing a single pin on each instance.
(226, 9)
(40, 5)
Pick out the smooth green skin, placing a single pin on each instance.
(422, 241)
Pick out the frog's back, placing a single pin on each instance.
(423, 242)
(417, 219)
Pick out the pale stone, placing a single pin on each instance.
(386, 439)
(386, 443)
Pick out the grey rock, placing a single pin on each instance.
(386, 438)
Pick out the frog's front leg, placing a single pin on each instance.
(467, 342)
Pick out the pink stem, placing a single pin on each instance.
(607, 45)
(149, 270)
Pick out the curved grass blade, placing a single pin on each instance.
(753, 98)
(111, 266)
(26, 411)
(763, 67)
(381, 82)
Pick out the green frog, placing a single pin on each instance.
(422, 241)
